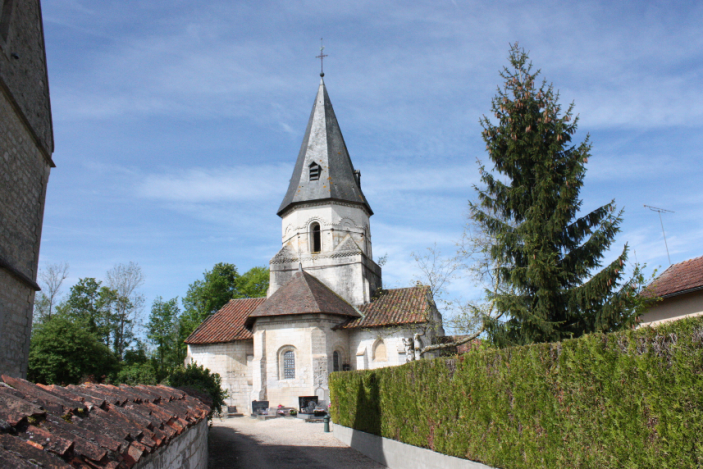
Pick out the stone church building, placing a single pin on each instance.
(326, 309)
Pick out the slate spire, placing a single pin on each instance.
(323, 170)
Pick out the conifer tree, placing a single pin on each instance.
(552, 282)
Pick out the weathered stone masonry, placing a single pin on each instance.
(26, 145)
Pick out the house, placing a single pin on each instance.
(680, 288)
(326, 309)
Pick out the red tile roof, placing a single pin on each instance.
(678, 279)
(305, 294)
(301, 295)
(227, 324)
(394, 307)
(90, 426)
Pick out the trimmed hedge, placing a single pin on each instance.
(631, 399)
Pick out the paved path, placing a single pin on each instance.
(246, 443)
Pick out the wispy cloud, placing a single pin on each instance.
(198, 185)
(178, 124)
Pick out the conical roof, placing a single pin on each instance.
(323, 145)
(303, 294)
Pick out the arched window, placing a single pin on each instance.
(379, 352)
(316, 241)
(335, 361)
(288, 364)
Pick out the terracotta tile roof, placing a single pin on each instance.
(394, 307)
(89, 426)
(303, 294)
(678, 279)
(227, 324)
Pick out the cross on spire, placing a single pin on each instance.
(322, 58)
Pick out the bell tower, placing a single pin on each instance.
(325, 215)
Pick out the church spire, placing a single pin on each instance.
(323, 170)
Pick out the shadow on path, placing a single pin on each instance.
(230, 449)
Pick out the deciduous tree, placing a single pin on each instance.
(63, 351)
(124, 280)
(162, 331)
(51, 278)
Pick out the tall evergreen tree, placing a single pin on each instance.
(549, 254)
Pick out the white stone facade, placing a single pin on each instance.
(232, 361)
(325, 232)
(344, 261)
(253, 369)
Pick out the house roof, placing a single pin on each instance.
(91, 425)
(324, 145)
(305, 294)
(394, 307)
(678, 279)
(301, 295)
(227, 324)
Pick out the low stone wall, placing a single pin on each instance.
(187, 451)
(397, 455)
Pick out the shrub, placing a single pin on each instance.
(63, 352)
(200, 378)
(631, 399)
(137, 373)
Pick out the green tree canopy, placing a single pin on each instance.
(90, 304)
(64, 352)
(219, 285)
(548, 252)
(162, 331)
(254, 283)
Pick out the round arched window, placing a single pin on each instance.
(315, 235)
(288, 364)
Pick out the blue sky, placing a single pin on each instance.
(177, 123)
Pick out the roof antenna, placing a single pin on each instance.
(322, 58)
(660, 211)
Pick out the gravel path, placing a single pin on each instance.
(246, 443)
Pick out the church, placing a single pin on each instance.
(326, 309)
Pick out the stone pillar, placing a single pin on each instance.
(258, 369)
(361, 361)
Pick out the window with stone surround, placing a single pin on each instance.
(316, 241)
(286, 362)
(336, 358)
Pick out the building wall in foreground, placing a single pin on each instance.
(24, 174)
(674, 308)
(229, 360)
(188, 451)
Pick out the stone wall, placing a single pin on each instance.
(313, 340)
(25, 162)
(345, 261)
(23, 71)
(230, 361)
(187, 451)
(363, 342)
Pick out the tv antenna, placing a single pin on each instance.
(660, 211)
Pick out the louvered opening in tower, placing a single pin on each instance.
(315, 171)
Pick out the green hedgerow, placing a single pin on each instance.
(631, 399)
